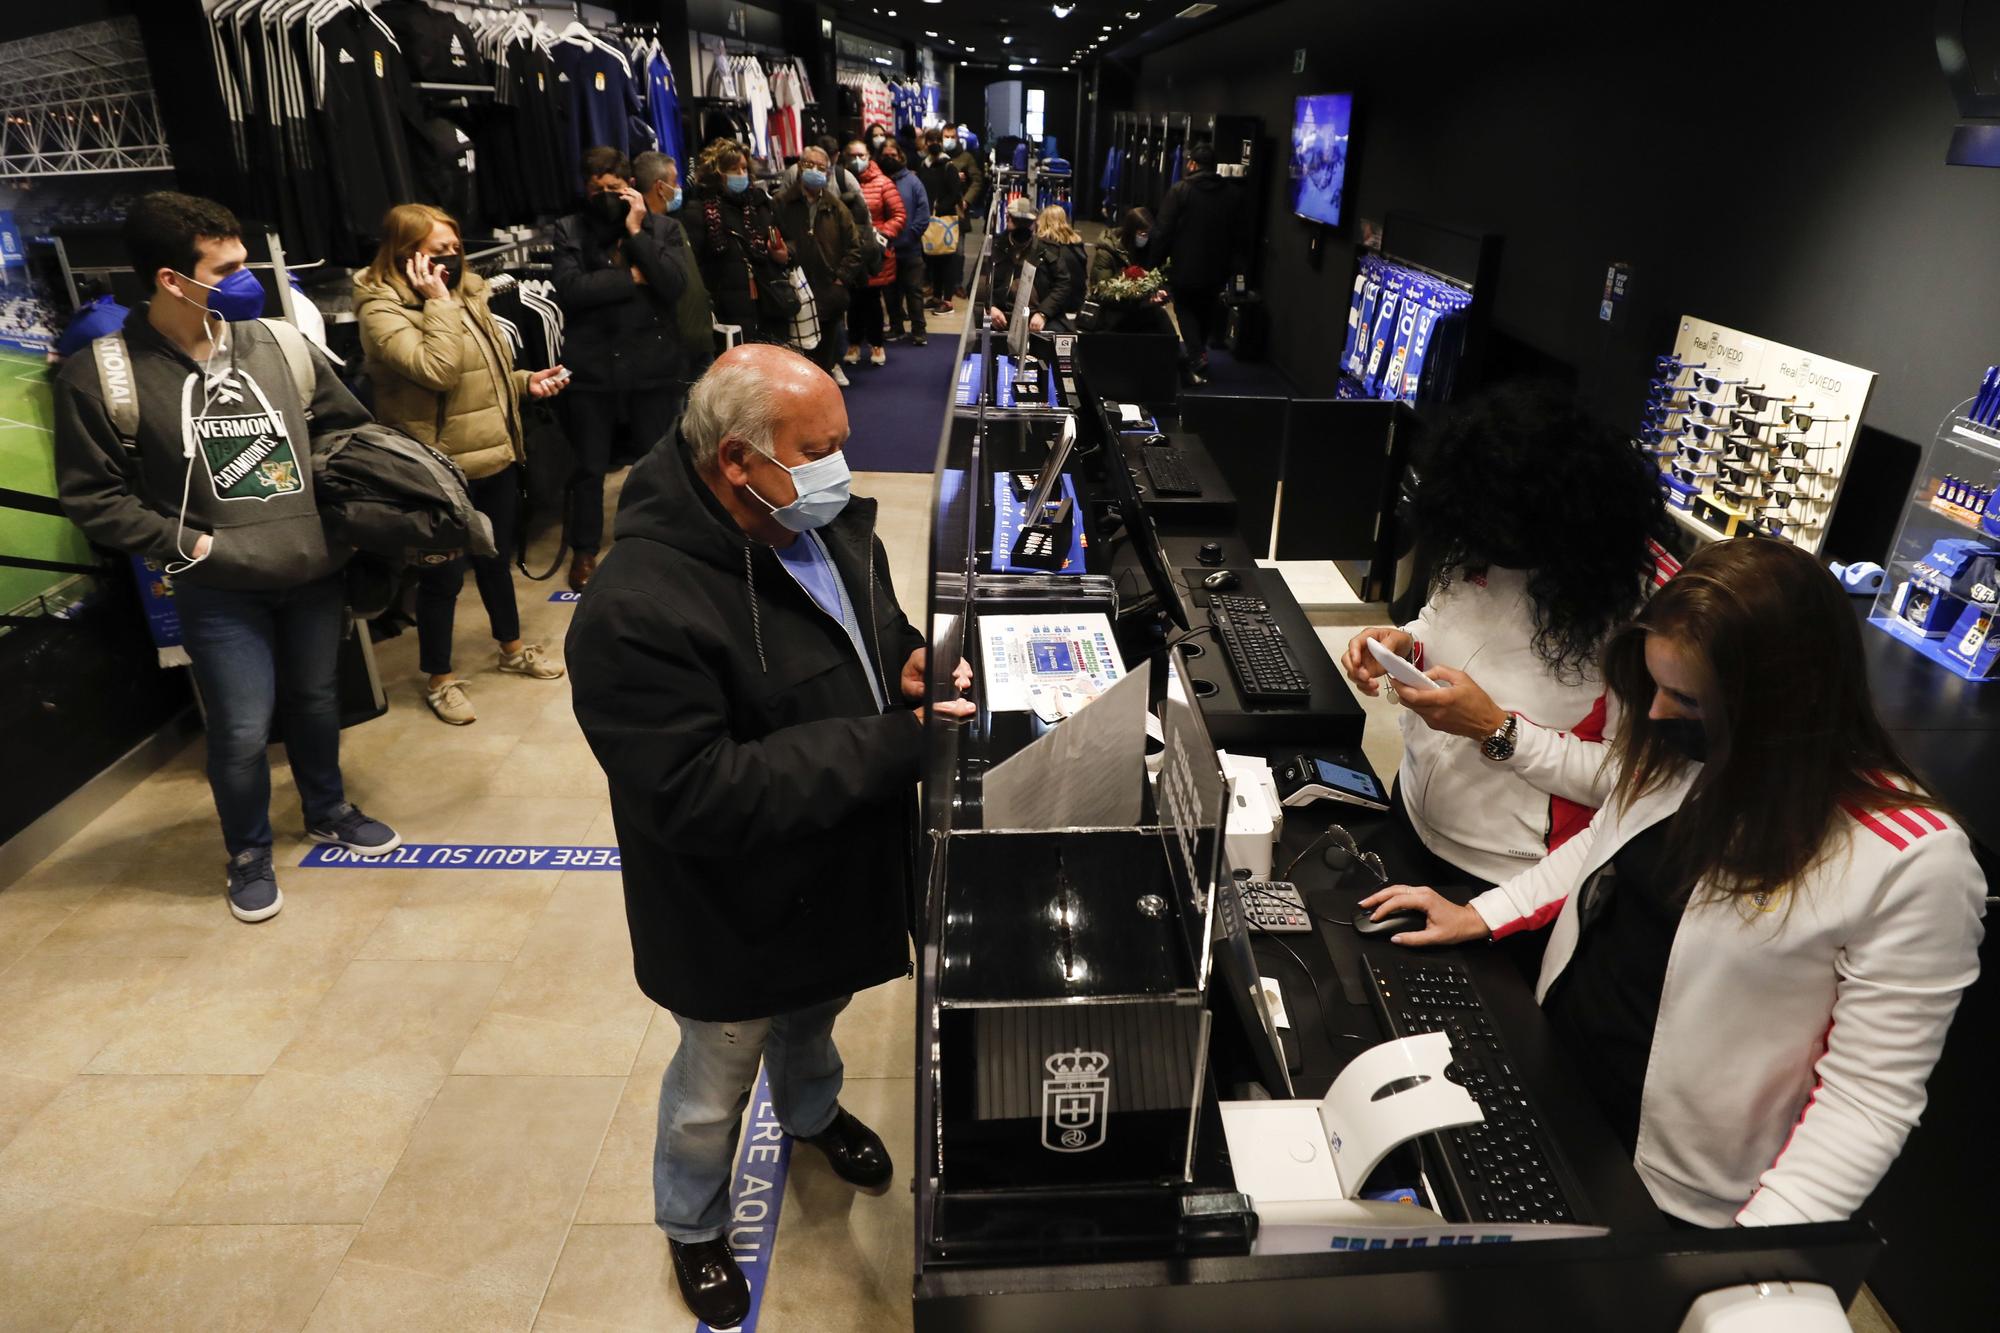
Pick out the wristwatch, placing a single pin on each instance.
(1499, 747)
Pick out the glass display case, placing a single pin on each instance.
(1941, 586)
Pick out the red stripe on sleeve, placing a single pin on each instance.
(1877, 827)
(1909, 824)
(1535, 920)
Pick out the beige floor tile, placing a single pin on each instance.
(1866, 1315)
(569, 1004)
(218, 1279)
(303, 1149)
(842, 1259)
(374, 1298)
(61, 1011)
(21, 1100)
(229, 1009)
(616, 1277)
(54, 1256)
(462, 914)
(44, 898)
(554, 816)
(621, 1183)
(169, 913)
(876, 1033)
(394, 1024)
(122, 1141)
(534, 769)
(485, 1192)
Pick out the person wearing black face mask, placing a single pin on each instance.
(444, 374)
(1012, 249)
(1757, 946)
(619, 289)
(1505, 763)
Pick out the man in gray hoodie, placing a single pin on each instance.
(213, 475)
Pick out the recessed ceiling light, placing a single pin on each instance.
(1016, 68)
(1033, 61)
(1006, 41)
(929, 33)
(1062, 11)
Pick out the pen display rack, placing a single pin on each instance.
(1752, 438)
(1943, 579)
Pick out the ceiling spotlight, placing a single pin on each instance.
(1006, 41)
(929, 33)
(1015, 68)
(1033, 61)
(1131, 13)
(1062, 11)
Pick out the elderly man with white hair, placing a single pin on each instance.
(757, 698)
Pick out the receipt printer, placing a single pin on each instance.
(1256, 819)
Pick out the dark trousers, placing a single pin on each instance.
(1199, 310)
(593, 419)
(906, 296)
(499, 498)
(864, 317)
(259, 655)
(942, 270)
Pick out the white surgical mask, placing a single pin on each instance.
(822, 487)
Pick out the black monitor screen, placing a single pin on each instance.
(1138, 522)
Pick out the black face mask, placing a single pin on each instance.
(1685, 736)
(609, 209)
(1021, 231)
(452, 266)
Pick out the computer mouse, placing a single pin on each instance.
(1220, 580)
(1393, 924)
(1157, 441)
(1337, 858)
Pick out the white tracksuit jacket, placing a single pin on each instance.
(1793, 1042)
(1494, 819)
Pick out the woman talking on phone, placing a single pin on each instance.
(1757, 945)
(444, 374)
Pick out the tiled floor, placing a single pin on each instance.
(415, 1100)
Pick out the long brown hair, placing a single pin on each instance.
(404, 228)
(1793, 741)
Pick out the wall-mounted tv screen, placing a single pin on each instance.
(1319, 155)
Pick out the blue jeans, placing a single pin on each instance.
(705, 1092)
(258, 655)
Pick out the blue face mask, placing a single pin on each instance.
(237, 297)
(822, 487)
(736, 184)
(814, 177)
(674, 204)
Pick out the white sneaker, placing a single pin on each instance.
(450, 703)
(840, 377)
(852, 356)
(530, 662)
(878, 356)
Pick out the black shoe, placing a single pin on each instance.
(711, 1283)
(855, 1152)
(919, 340)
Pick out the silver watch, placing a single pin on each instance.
(1499, 747)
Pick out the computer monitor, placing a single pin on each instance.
(1138, 522)
(1017, 318)
(1319, 155)
(1193, 799)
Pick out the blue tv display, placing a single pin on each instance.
(1319, 155)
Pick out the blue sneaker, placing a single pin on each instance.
(359, 834)
(253, 886)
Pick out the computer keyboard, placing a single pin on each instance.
(1170, 474)
(1504, 1169)
(1258, 655)
(1275, 907)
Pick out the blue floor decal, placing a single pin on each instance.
(756, 1197)
(467, 856)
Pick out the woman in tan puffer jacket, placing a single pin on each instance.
(444, 374)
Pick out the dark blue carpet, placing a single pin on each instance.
(895, 414)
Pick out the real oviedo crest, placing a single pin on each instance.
(1075, 1099)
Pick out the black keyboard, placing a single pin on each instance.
(1258, 654)
(1169, 470)
(1504, 1169)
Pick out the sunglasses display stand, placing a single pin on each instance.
(1752, 437)
(1943, 589)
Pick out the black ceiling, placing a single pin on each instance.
(975, 31)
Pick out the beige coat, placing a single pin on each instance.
(442, 370)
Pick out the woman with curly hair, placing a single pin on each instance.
(1548, 532)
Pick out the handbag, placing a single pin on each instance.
(805, 331)
(941, 237)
